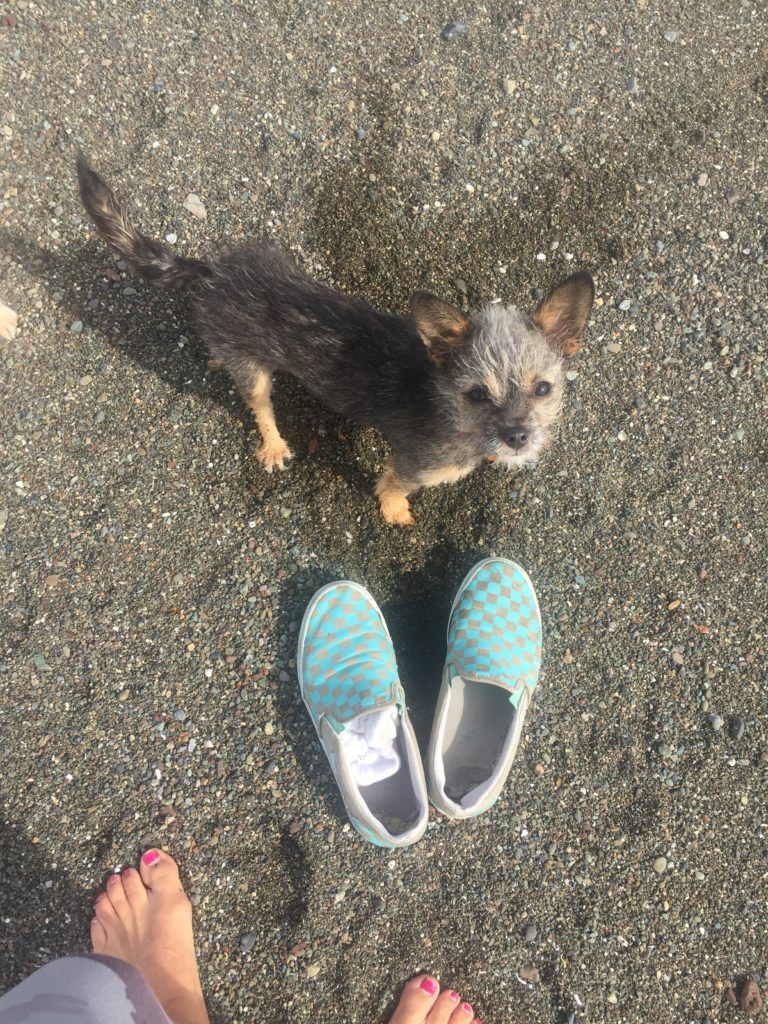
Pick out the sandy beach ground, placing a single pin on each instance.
(154, 577)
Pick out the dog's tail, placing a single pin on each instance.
(151, 259)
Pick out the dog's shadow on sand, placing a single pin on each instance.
(154, 330)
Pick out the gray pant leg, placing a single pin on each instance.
(87, 989)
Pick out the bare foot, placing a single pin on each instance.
(145, 918)
(422, 1002)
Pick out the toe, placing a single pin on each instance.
(419, 996)
(104, 912)
(159, 872)
(116, 894)
(135, 892)
(98, 936)
(462, 1014)
(446, 1003)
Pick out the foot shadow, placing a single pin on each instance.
(416, 612)
(417, 616)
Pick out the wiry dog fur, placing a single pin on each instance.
(448, 392)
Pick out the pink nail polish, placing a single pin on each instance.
(453, 995)
(467, 1008)
(150, 857)
(428, 986)
(112, 880)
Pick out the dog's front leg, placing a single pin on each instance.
(392, 492)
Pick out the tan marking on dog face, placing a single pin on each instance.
(543, 411)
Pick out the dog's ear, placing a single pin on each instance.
(441, 325)
(564, 313)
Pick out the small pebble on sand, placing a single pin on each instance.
(454, 30)
(750, 1000)
(195, 206)
(735, 727)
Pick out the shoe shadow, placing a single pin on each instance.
(417, 616)
(416, 610)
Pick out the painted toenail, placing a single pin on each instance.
(429, 986)
(453, 995)
(467, 1008)
(150, 857)
(113, 879)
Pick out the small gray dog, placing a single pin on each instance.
(447, 391)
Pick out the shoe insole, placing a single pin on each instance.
(393, 800)
(479, 719)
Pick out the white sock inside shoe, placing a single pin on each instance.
(369, 745)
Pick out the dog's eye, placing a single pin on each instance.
(478, 394)
(542, 389)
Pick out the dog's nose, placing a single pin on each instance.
(515, 437)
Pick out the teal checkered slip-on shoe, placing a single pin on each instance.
(349, 682)
(491, 669)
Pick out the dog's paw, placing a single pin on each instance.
(396, 511)
(274, 455)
